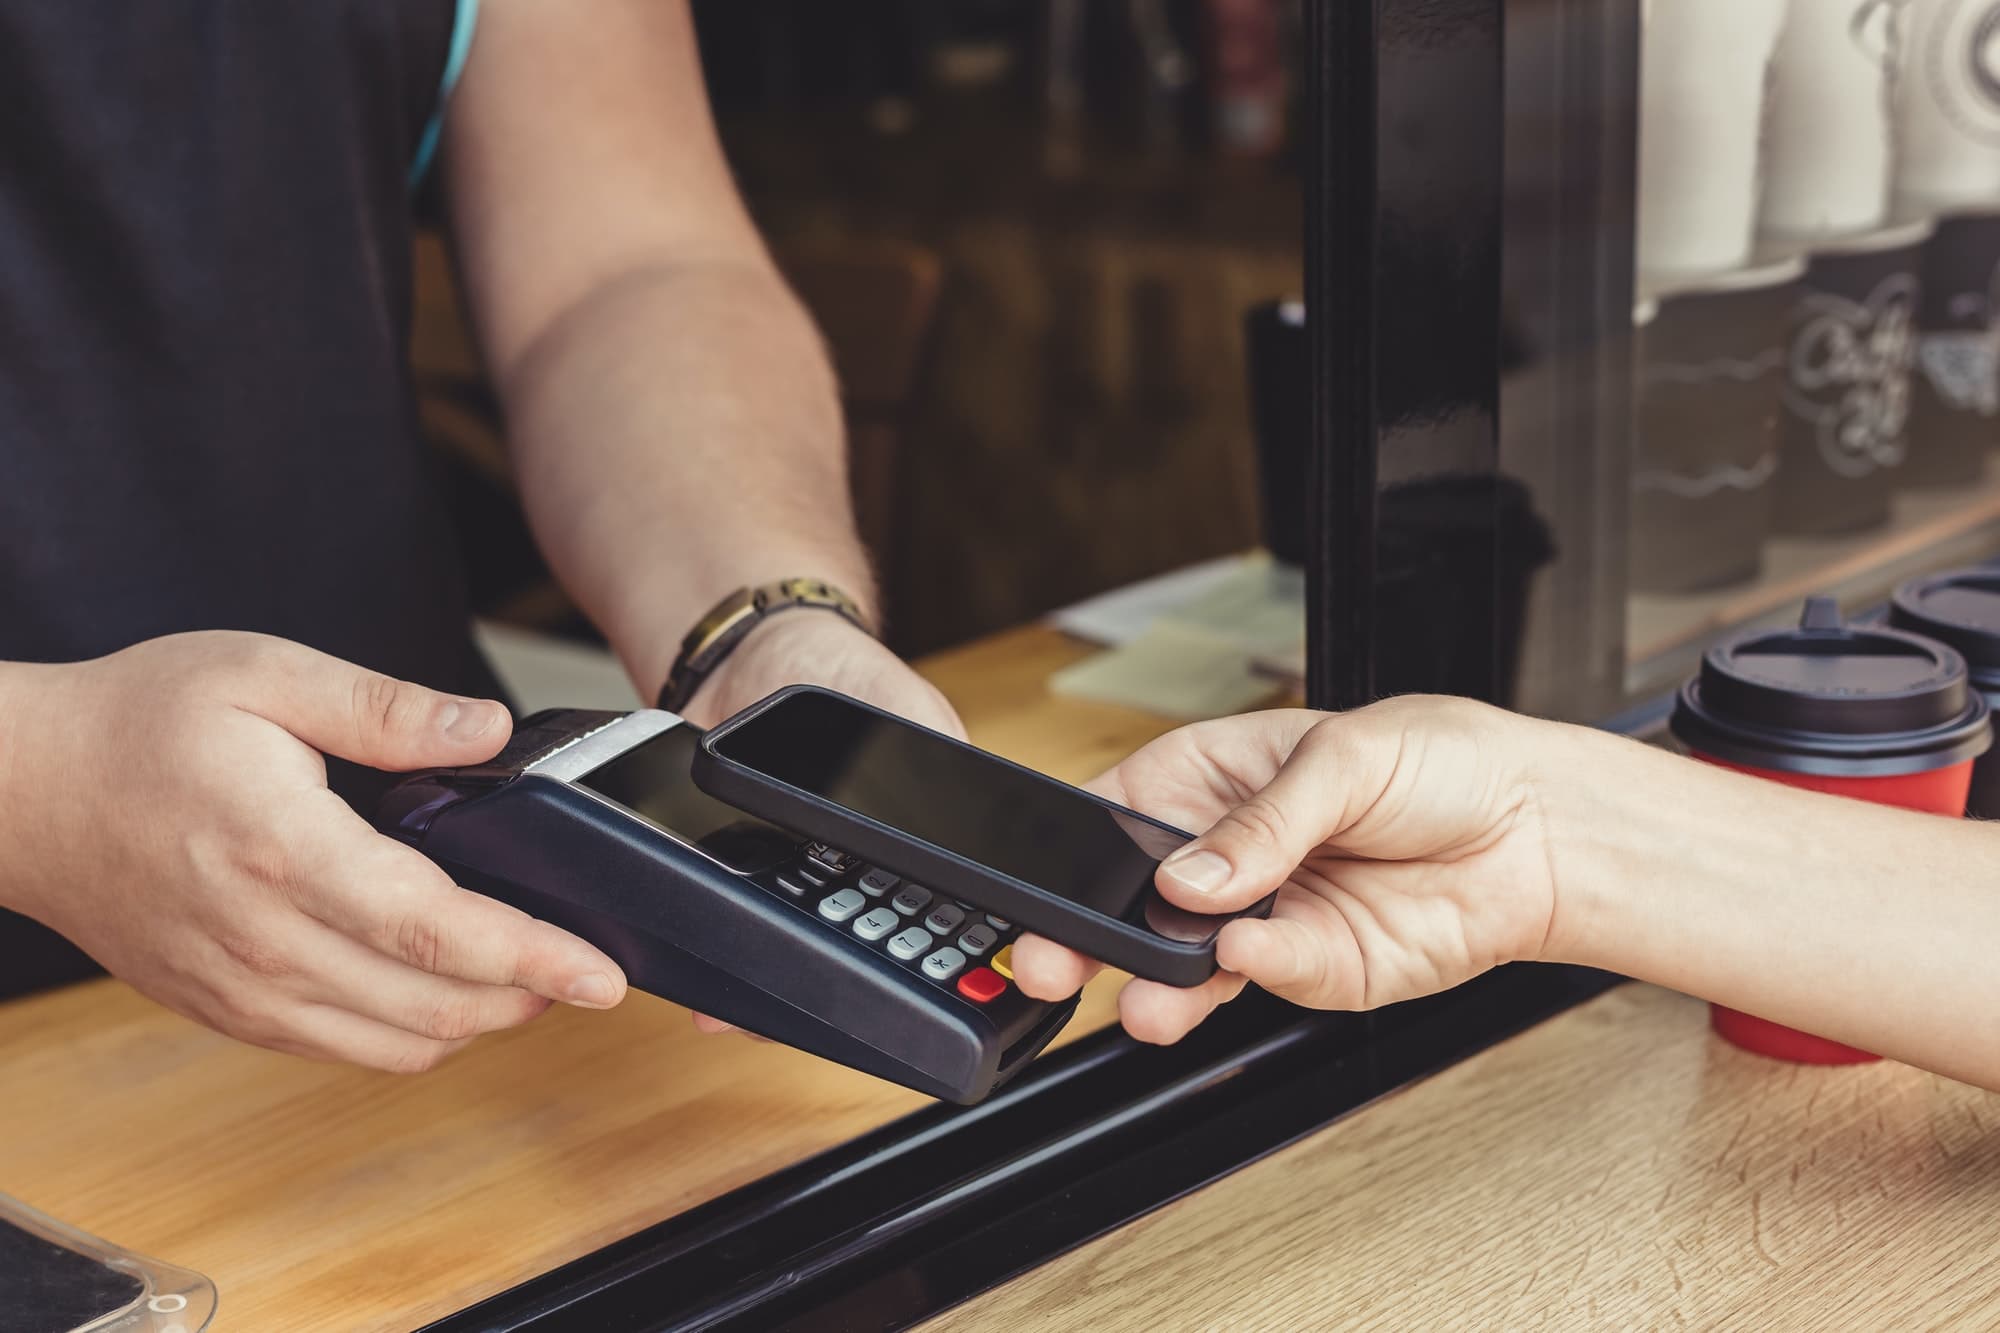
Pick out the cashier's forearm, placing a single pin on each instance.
(678, 434)
(1871, 925)
(17, 698)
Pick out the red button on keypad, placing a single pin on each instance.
(981, 985)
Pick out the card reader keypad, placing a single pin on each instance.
(912, 943)
(947, 942)
(945, 964)
(877, 924)
(842, 905)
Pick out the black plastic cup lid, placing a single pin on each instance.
(1961, 610)
(1833, 699)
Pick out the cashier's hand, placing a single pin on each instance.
(810, 647)
(1406, 842)
(166, 808)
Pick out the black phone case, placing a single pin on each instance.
(1140, 952)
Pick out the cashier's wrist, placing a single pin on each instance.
(797, 632)
(803, 644)
(718, 636)
(794, 636)
(811, 647)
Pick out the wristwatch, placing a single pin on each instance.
(718, 632)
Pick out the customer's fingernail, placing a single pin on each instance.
(469, 719)
(1199, 869)
(595, 992)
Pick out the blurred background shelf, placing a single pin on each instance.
(1929, 530)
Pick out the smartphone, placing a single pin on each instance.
(963, 823)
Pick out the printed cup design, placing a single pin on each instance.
(1727, 477)
(1961, 362)
(1949, 99)
(1955, 393)
(1721, 372)
(1711, 360)
(1981, 70)
(1849, 374)
(1963, 369)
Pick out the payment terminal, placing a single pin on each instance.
(590, 820)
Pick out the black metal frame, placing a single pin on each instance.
(930, 1210)
(1404, 176)
(1405, 253)
(1403, 250)
(1342, 223)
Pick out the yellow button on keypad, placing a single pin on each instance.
(1003, 962)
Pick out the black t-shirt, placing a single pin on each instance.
(206, 415)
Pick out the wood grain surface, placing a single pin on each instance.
(1615, 1168)
(319, 1197)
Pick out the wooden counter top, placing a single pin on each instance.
(1616, 1167)
(321, 1197)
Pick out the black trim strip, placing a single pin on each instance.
(930, 1210)
(1340, 277)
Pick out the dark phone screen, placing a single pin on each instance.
(966, 802)
(45, 1286)
(653, 780)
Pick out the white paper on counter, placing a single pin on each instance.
(1250, 602)
(1123, 614)
(1259, 608)
(542, 671)
(1171, 670)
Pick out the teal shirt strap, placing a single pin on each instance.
(462, 27)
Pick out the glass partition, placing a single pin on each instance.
(1215, 292)
(1748, 331)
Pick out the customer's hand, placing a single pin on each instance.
(166, 808)
(808, 647)
(1405, 840)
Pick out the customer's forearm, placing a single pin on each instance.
(678, 434)
(1874, 926)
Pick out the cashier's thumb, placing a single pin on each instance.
(380, 721)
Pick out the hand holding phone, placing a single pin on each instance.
(1408, 840)
(966, 824)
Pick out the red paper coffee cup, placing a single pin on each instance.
(1857, 710)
